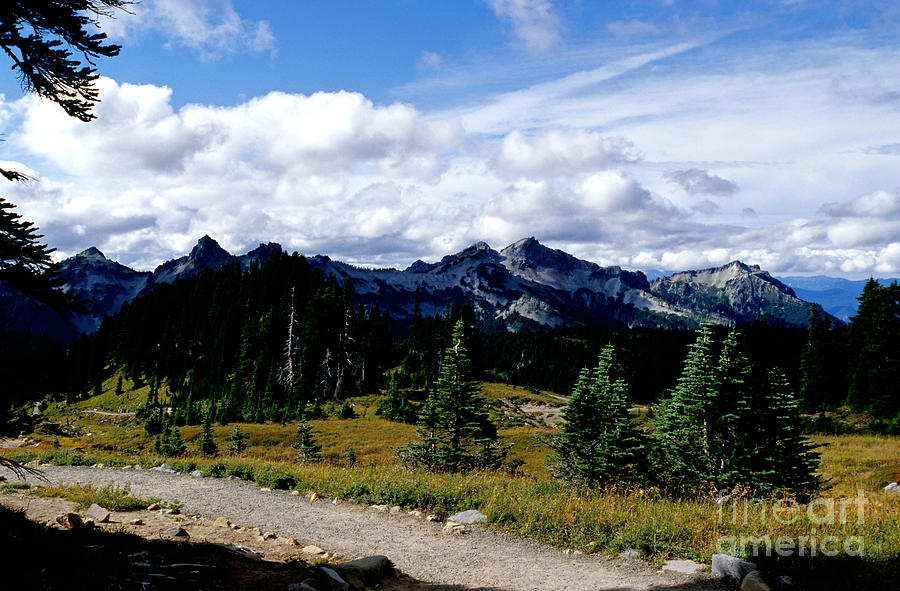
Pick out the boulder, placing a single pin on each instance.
(70, 521)
(726, 566)
(688, 567)
(468, 517)
(336, 581)
(754, 582)
(221, 522)
(97, 513)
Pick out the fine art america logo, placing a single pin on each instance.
(820, 512)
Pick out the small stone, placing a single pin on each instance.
(89, 523)
(176, 531)
(725, 566)
(269, 535)
(416, 514)
(312, 550)
(70, 520)
(197, 473)
(335, 501)
(221, 522)
(630, 554)
(395, 510)
(296, 493)
(688, 567)
(452, 528)
(126, 467)
(432, 518)
(235, 527)
(97, 513)
(265, 489)
(138, 467)
(892, 487)
(290, 541)
(153, 507)
(754, 582)
(313, 497)
(136, 522)
(97, 466)
(578, 553)
(380, 507)
(468, 517)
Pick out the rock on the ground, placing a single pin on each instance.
(153, 507)
(688, 567)
(269, 535)
(726, 566)
(136, 522)
(312, 497)
(336, 581)
(70, 520)
(630, 554)
(380, 507)
(365, 572)
(395, 510)
(754, 582)
(300, 587)
(468, 517)
(312, 550)
(97, 513)
(417, 514)
(452, 528)
(892, 487)
(431, 518)
(197, 473)
(290, 541)
(176, 531)
(221, 522)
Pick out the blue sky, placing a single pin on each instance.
(648, 134)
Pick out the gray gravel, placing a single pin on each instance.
(481, 558)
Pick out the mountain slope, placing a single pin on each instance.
(733, 293)
(836, 295)
(523, 286)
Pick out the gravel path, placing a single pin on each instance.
(481, 559)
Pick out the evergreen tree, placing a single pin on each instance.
(815, 363)
(236, 441)
(875, 340)
(728, 414)
(597, 445)
(119, 386)
(346, 411)
(682, 421)
(351, 455)
(395, 406)
(308, 451)
(456, 432)
(206, 445)
(173, 445)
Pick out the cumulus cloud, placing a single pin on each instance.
(211, 27)
(138, 130)
(554, 152)
(696, 181)
(534, 22)
(880, 204)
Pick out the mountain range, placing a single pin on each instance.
(523, 286)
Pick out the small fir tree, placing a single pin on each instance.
(119, 386)
(206, 445)
(308, 451)
(456, 432)
(236, 442)
(395, 406)
(682, 442)
(173, 445)
(597, 445)
(346, 411)
(351, 455)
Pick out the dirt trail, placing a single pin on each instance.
(480, 559)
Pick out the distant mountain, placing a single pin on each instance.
(523, 286)
(733, 293)
(837, 296)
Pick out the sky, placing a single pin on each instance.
(650, 134)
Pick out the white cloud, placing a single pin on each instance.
(534, 22)
(554, 152)
(211, 27)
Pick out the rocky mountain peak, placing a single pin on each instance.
(92, 253)
(208, 249)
